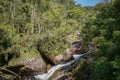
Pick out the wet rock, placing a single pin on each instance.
(64, 77)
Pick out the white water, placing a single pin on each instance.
(66, 67)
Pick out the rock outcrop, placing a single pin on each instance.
(60, 58)
(29, 62)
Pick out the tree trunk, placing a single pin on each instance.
(12, 10)
(32, 18)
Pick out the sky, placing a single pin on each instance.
(87, 2)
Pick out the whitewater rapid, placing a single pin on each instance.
(65, 66)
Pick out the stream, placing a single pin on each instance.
(65, 67)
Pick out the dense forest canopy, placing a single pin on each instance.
(46, 26)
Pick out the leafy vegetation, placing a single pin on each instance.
(50, 25)
(104, 31)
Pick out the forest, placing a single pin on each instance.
(38, 34)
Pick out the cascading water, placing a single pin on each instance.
(65, 66)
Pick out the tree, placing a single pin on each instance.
(101, 70)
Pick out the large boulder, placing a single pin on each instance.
(59, 48)
(30, 62)
(69, 52)
(55, 59)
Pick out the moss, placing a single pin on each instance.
(23, 56)
(30, 54)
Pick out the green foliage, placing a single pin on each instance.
(5, 36)
(116, 66)
(55, 42)
(75, 13)
(101, 70)
(49, 25)
(105, 48)
(116, 37)
(103, 29)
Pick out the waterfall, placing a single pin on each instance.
(66, 67)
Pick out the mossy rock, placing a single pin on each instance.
(31, 61)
